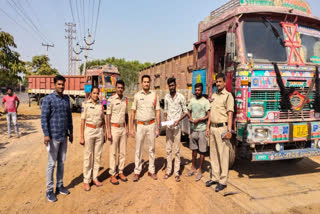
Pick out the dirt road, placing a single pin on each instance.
(276, 187)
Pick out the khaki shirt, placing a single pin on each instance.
(221, 104)
(118, 108)
(145, 105)
(92, 112)
(175, 107)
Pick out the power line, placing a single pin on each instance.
(79, 22)
(12, 19)
(24, 19)
(95, 30)
(20, 7)
(92, 15)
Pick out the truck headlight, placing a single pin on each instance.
(257, 111)
(261, 134)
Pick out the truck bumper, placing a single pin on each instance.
(285, 154)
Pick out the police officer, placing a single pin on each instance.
(145, 109)
(92, 137)
(117, 131)
(219, 129)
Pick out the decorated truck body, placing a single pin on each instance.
(269, 51)
(77, 87)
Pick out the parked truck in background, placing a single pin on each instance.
(269, 51)
(77, 87)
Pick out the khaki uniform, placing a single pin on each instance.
(145, 106)
(174, 107)
(92, 113)
(118, 108)
(222, 103)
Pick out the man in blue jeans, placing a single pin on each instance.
(56, 123)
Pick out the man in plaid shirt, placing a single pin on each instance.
(56, 122)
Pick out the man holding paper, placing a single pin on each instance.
(174, 111)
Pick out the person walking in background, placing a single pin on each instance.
(145, 109)
(10, 103)
(219, 129)
(117, 131)
(175, 109)
(199, 111)
(92, 137)
(56, 123)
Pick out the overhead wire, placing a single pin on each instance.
(12, 19)
(92, 18)
(95, 30)
(78, 15)
(30, 19)
(22, 16)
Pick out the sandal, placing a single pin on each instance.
(199, 176)
(191, 173)
(166, 176)
(177, 178)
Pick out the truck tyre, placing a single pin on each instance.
(40, 102)
(232, 152)
(162, 128)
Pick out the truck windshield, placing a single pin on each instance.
(111, 80)
(264, 41)
(310, 42)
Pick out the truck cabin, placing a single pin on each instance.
(104, 77)
(242, 33)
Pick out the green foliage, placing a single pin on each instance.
(129, 70)
(40, 66)
(10, 64)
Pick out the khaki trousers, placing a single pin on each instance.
(94, 139)
(219, 155)
(119, 143)
(173, 143)
(145, 132)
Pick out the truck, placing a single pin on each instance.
(269, 51)
(77, 87)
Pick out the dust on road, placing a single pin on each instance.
(275, 187)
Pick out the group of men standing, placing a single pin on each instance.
(208, 121)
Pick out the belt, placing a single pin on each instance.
(146, 122)
(118, 125)
(218, 125)
(93, 126)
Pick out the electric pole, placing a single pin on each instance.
(48, 46)
(70, 31)
(77, 52)
(87, 48)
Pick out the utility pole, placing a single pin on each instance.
(87, 48)
(77, 52)
(48, 46)
(70, 31)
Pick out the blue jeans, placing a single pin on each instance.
(12, 116)
(57, 153)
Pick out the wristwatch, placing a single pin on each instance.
(229, 130)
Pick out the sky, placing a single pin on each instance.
(144, 30)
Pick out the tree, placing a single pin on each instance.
(10, 64)
(40, 66)
(129, 70)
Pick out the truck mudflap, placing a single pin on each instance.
(285, 154)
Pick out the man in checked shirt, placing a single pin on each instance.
(56, 123)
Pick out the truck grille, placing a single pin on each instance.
(272, 100)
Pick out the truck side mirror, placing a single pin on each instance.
(231, 46)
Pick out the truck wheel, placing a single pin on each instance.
(40, 102)
(232, 152)
(162, 128)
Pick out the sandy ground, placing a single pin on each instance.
(274, 187)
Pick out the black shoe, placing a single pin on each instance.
(210, 183)
(51, 196)
(62, 190)
(220, 187)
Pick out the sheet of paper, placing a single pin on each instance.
(48, 147)
(167, 123)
